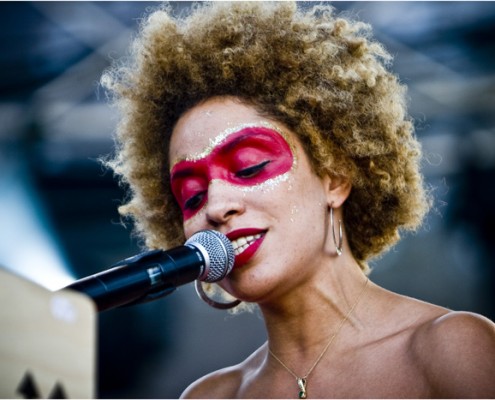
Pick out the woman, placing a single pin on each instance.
(284, 130)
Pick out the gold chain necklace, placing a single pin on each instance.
(302, 382)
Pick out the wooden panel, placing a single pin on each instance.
(47, 341)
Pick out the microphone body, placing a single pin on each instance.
(207, 255)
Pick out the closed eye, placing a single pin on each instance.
(194, 202)
(251, 171)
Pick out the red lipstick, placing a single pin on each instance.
(252, 246)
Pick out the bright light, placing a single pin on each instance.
(27, 247)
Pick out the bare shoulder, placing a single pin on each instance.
(460, 333)
(221, 384)
(456, 351)
(224, 383)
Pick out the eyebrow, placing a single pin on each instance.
(232, 130)
(230, 144)
(182, 173)
(234, 142)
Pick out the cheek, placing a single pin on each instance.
(195, 223)
(303, 200)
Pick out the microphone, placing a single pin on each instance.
(207, 255)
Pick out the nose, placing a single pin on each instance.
(224, 202)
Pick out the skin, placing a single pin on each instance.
(248, 157)
(391, 345)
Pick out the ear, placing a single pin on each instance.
(337, 190)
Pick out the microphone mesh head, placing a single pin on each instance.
(217, 251)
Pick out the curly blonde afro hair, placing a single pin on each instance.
(320, 74)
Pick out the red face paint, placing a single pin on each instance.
(246, 158)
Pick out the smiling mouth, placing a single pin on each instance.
(242, 243)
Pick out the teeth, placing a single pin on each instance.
(242, 243)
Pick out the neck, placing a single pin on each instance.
(301, 322)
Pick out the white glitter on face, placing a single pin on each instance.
(294, 210)
(220, 138)
(265, 186)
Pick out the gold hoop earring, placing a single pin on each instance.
(212, 303)
(338, 247)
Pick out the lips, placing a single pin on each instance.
(245, 242)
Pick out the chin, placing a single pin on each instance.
(246, 286)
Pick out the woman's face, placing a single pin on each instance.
(248, 177)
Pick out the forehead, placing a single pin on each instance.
(206, 125)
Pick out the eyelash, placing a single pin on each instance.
(252, 171)
(194, 201)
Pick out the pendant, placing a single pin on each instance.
(301, 382)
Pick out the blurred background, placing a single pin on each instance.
(58, 218)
